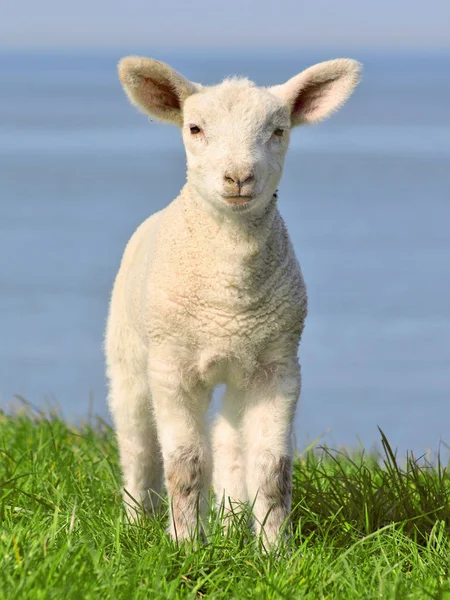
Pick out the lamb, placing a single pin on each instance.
(209, 291)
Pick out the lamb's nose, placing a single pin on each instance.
(239, 180)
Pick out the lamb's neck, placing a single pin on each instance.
(241, 236)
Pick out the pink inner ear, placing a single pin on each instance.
(310, 97)
(160, 93)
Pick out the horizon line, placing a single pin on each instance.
(232, 50)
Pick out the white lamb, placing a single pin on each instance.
(210, 291)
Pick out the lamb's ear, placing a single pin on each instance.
(155, 88)
(318, 91)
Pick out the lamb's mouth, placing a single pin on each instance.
(238, 200)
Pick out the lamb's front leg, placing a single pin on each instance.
(268, 425)
(180, 419)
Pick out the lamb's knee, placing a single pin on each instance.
(185, 470)
(186, 476)
(273, 481)
(271, 493)
(186, 480)
(278, 487)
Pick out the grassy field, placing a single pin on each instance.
(363, 527)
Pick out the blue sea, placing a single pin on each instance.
(366, 197)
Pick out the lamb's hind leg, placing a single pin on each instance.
(140, 457)
(268, 431)
(228, 453)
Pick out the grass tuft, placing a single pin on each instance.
(344, 495)
(363, 526)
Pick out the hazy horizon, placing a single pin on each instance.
(250, 51)
(406, 25)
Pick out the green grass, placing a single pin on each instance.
(363, 527)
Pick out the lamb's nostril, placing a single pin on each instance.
(239, 181)
(249, 178)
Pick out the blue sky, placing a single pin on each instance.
(407, 24)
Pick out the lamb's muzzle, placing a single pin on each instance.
(210, 291)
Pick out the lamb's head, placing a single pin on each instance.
(236, 134)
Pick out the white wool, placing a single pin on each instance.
(210, 291)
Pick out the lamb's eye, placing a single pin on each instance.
(278, 132)
(194, 129)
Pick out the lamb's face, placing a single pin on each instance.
(236, 136)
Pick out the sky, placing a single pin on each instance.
(400, 24)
